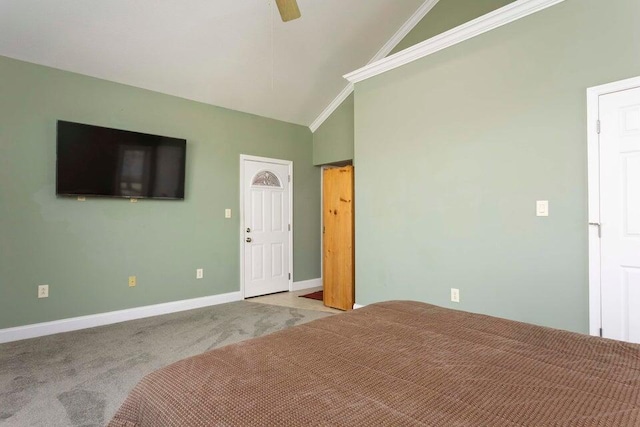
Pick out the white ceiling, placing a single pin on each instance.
(236, 54)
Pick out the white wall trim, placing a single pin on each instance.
(384, 51)
(357, 306)
(101, 319)
(289, 163)
(337, 101)
(414, 20)
(593, 154)
(492, 20)
(307, 284)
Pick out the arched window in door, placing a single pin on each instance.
(266, 179)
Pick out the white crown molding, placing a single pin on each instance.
(101, 319)
(331, 107)
(505, 15)
(384, 51)
(404, 30)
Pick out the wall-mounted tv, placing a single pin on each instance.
(99, 161)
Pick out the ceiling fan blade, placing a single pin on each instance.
(288, 10)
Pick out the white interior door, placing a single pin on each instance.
(266, 234)
(620, 214)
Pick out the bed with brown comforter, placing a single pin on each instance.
(398, 363)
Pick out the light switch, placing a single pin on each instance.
(227, 213)
(455, 295)
(542, 208)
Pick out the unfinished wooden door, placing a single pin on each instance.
(338, 238)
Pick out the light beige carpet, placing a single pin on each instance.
(81, 378)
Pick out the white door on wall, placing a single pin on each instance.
(620, 214)
(266, 226)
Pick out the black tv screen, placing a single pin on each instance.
(98, 161)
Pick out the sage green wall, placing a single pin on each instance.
(445, 15)
(333, 140)
(453, 150)
(86, 250)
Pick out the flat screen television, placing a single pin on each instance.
(99, 161)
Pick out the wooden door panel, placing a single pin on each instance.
(338, 247)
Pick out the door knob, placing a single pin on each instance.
(248, 230)
(248, 240)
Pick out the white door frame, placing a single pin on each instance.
(593, 154)
(289, 163)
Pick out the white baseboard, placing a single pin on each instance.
(93, 320)
(356, 306)
(306, 284)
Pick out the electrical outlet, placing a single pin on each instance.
(227, 213)
(43, 291)
(199, 273)
(132, 281)
(455, 295)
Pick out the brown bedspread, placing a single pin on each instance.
(398, 363)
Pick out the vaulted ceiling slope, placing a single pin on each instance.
(236, 54)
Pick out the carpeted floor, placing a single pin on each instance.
(81, 378)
